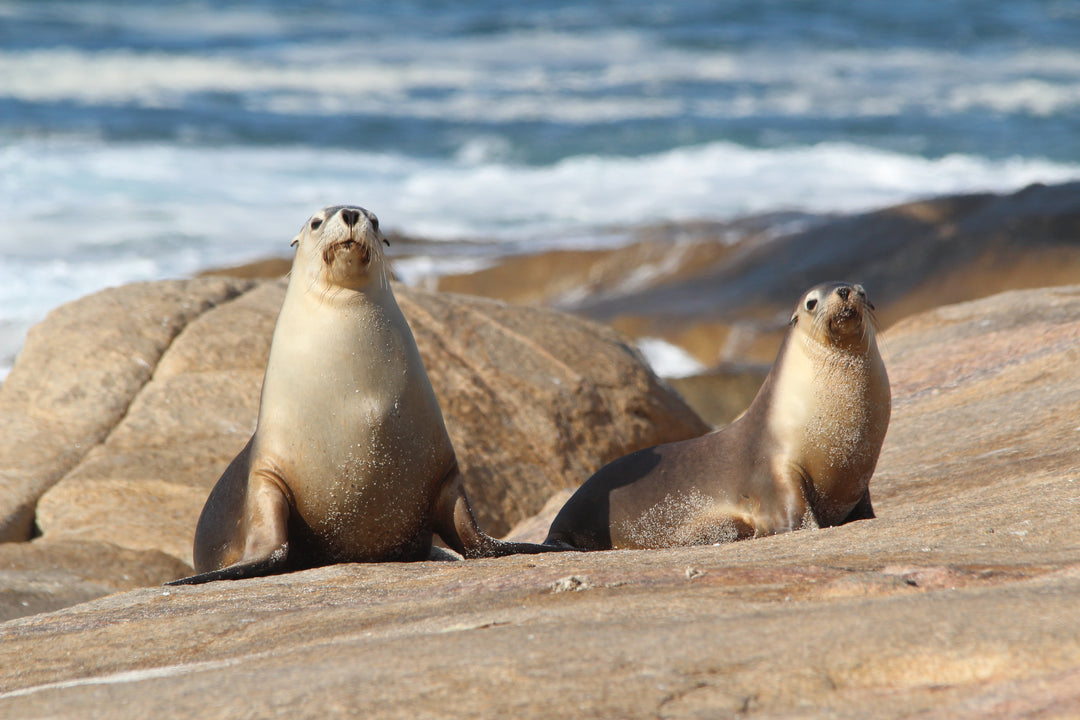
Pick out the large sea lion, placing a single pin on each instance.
(350, 460)
(801, 456)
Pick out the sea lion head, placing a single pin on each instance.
(837, 314)
(341, 246)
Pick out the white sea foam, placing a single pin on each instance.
(81, 214)
(558, 77)
(64, 196)
(667, 360)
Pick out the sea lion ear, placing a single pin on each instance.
(794, 319)
(385, 241)
(295, 241)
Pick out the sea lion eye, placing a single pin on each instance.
(315, 223)
(811, 303)
(375, 223)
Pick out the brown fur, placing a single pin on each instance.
(801, 455)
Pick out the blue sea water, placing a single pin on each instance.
(141, 140)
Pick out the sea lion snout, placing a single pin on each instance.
(350, 216)
(853, 296)
(346, 239)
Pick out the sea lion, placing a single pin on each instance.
(801, 455)
(350, 460)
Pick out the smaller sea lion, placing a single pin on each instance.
(801, 456)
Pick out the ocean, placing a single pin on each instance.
(142, 140)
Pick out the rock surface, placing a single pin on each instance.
(131, 431)
(71, 387)
(37, 577)
(958, 601)
(721, 394)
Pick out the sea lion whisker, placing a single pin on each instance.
(871, 313)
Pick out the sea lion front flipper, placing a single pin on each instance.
(863, 510)
(239, 571)
(455, 523)
(265, 525)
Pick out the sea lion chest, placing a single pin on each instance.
(349, 418)
(829, 415)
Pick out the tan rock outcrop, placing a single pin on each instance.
(42, 576)
(737, 284)
(75, 378)
(534, 401)
(957, 601)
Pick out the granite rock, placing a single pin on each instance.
(735, 284)
(75, 378)
(957, 601)
(534, 401)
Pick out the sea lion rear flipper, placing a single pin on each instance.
(456, 525)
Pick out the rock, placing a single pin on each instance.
(724, 392)
(534, 401)
(625, 634)
(534, 529)
(958, 600)
(988, 397)
(562, 278)
(735, 285)
(265, 269)
(75, 378)
(41, 576)
(911, 258)
(714, 344)
(144, 486)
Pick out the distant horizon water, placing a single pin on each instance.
(142, 140)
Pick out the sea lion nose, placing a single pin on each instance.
(843, 293)
(351, 217)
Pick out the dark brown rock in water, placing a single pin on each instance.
(724, 293)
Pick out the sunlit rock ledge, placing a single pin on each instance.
(958, 600)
